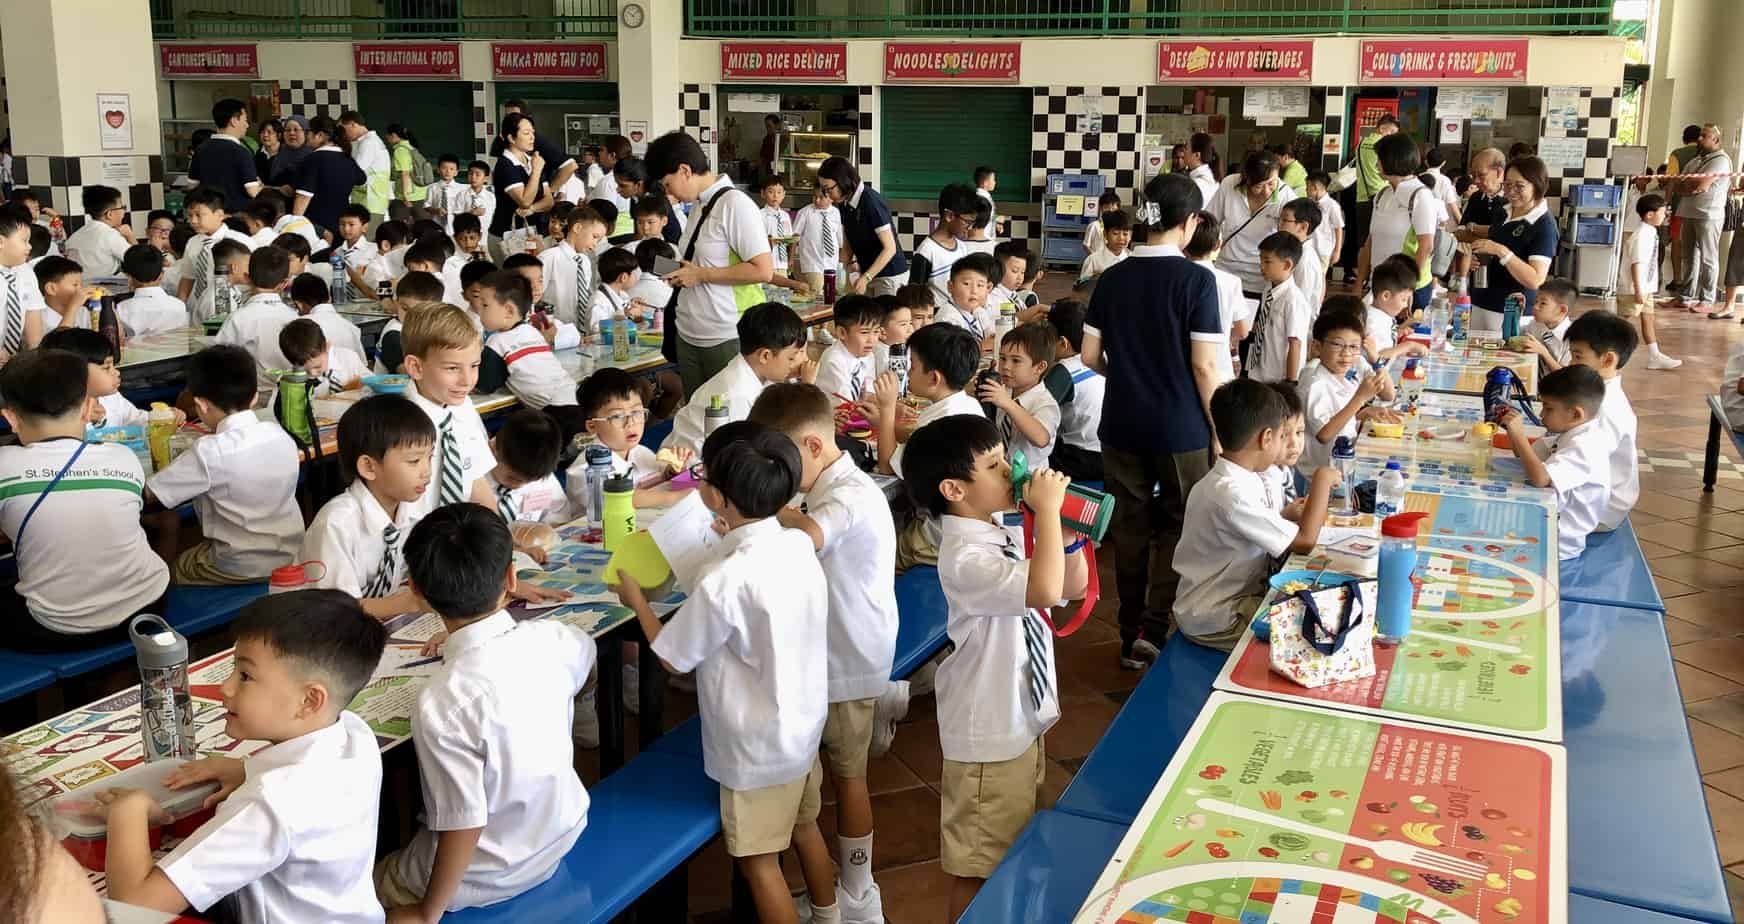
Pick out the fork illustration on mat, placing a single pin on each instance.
(1397, 851)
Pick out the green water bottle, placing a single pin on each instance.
(295, 410)
(620, 510)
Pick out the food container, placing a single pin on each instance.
(387, 384)
(132, 436)
(1501, 441)
(1386, 431)
(84, 831)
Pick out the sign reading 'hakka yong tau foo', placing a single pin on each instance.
(784, 60)
(565, 60)
(952, 62)
(406, 59)
(1437, 61)
(1236, 62)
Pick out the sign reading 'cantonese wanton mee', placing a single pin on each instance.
(240, 60)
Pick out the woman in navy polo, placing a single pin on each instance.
(1519, 250)
(867, 225)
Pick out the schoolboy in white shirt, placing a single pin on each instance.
(1604, 342)
(103, 239)
(478, 198)
(1575, 459)
(1116, 235)
(413, 291)
(1640, 278)
(534, 373)
(384, 455)
(84, 565)
(845, 369)
(1546, 334)
(255, 326)
(819, 227)
(776, 221)
(309, 295)
(502, 802)
(1233, 516)
(570, 273)
(649, 288)
(611, 402)
(986, 181)
(1078, 451)
(1281, 326)
(102, 379)
(617, 273)
(1026, 414)
(942, 362)
(971, 279)
(997, 690)
(1329, 234)
(204, 208)
(525, 482)
(440, 197)
(442, 350)
(1301, 217)
(771, 349)
(1392, 286)
(295, 829)
(1287, 484)
(150, 308)
(242, 479)
(392, 240)
(331, 368)
(932, 261)
(356, 250)
(755, 630)
(855, 539)
(1336, 393)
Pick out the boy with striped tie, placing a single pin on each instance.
(17, 280)
(442, 351)
(205, 212)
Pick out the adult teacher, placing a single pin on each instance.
(725, 257)
(515, 179)
(1517, 253)
(559, 166)
(373, 159)
(1153, 329)
(1403, 214)
(867, 226)
(325, 178)
(1484, 203)
(222, 162)
(1246, 207)
(294, 148)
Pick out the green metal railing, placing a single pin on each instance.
(347, 20)
(893, 18)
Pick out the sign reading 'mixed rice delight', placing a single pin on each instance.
(784, 60)
(952, 62)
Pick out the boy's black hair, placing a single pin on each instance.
(23, 194)
(756, 468)
(1577, 385)
(766, 180)
(529, 443)
(1067, 317)
(301, 340)
(1561, 289)
(949, 350)
(1207, 237)
(44, 383)
(983, 213)
(614, 263)
(1320, 176)
(1392, 275)
(294, 244)
(1345, 303)
(887, 306)
(1434, 158)
(772, 326)
(83, 342)
(1648, 203)
(982, 173)
(230, 248)
(458, 559)
(605, 385)
(1292, 398)
(52, 268)
(517, 261)
(648, 205)
(1330, 322)
(209, 196)
(648, 250)
(1604, 332)
(447, 158)
(224, 375)
(1117, 220)
(268, 267)
(1305, 210)
(264, 212)
(854, 310)
(41, 239)
(630, 170)
(466, 221)
(474, 270)
(310, 289)
(1108, 197)
(393, 233)
(377, 424)
(1241, 409)
(1009, 249)
(324, 633)
(982, 263)
(418, 286)
(941, 450)
(603, 211)
(226, 109)
(1283, 245)
(428, 250)
(99, 199)
(479, 165)
(959, 198)
(560, 214)
(509, 287)
(356, 211)
(915, 295)
(142, 263)
(1036, 338)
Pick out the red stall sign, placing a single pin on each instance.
(784, 60)
(208, 60)
(406, 59)
(1439, 61)
(952, 62)
(1235, 62)
(565, 60)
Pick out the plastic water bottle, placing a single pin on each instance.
(1462, 312)
(621, 337)
(1394, 590)
(599, 468)
(899, 367)
(1344, 460)
(341, 288)
(829, 287)
(620, 511)
(715, 416)
(1006, 321)
(223, 297)
(1512, 308)
(1390, 491)
(166, 711)
(160, 426)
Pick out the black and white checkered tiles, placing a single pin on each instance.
(483, 129)
(1058, 144)
(1597, 112)
(310, 98)
(59, 182)
(1332, 126)
(913, 227)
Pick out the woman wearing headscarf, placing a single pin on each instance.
(293, 149)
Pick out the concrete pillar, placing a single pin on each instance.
(647, 55)
(61, 57)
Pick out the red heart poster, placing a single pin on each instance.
(114, 122)
(115, 117)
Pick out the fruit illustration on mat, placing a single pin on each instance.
(1271, 799)
(1422, 832)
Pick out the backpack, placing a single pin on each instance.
(422, 173)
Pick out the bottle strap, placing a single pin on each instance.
(18, 539)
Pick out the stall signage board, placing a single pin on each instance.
(1234, 62)
(1275, 102)
(827, 61)
(406, 59)
(237, 60)
(1441, 61)
(563, 60)
(952, 62)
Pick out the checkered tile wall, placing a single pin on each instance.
(1597, 112)
(317, 97)
(483, 127)
(59, 182)
(1332, 124)
(869, 129)
(912, 227)
(696, 108)
(1057, 146)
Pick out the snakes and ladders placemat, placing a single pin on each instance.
(1437, 452)
(1465, 370)
(1275, 813)
(1484, 650)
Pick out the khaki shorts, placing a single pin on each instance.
(389, 890)
(814, 282)
(983, 809)
(848, 737)
(195, 566)
(760, 821)
(884, 285)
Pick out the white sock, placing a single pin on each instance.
(1654, 349)
(830, 915)
(854, 855)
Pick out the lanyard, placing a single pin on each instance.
(18, 539)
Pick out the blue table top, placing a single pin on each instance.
(1048, 871)
(1611, 571)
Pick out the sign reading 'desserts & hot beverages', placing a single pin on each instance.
(406, 59)
(565, 60)
(952, 62)
(1435, 61)
(1239, 62)
(784, 60)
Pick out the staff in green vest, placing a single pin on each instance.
(372, 157)
(1290, 170)
(1369, 182)
(403, 165)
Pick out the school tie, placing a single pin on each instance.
(334, 386)
(1258, 349)
(14, 342)
(973, 323)
(203, 270)
(583, 289)
(382, 583)
(449, 490)
(855, 386)
(506, 503)
(829, 238)
(1034, 645)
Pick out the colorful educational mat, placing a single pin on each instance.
(1484, 650)
(1464, 370)
(162, 345)
(579, 567)
(1273, 813)
(1439, 453)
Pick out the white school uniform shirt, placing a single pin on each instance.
(1642, 249)
(606, 187)
(453, 292)
(296, 841)
(263, 238)
(1551, 337)
(97, 248)
(539, 501)
(755, 629)
(152, 309)
(302, 227)
(992, 214)
(357, 256)
(859, 564)
(171, 280)
(443, 194)
(1081, 416)
(343, 368)
(1206, 181)
(1237, 531)
(1579, 464)
(1326, 233)
(1323, 396)
(958, 402)
(606, 304)
(1093, 238)
(492, 731)
(1398, 211)
(1282, 317)
(941, 259)
(1040, 404)
(337, 328)
(639, 463)
(651, 289)
(1380, 327)
(1619, 418)
(1097, 262)
(842, 375)
(1282, 484)
(740, 386)
(243, 483)
(559, 265)
(201, 296)
(986, 713)
(709, 314)
(1444, 191)
(349, 537)
(255, 327)
(535, 375)
(820, 239)
(1232, 308)
(779, 224)
(120, 412)
(468, 199)
(87, 565)
(386, 267)
(471, 440)
(1310, 278)
(979, 322)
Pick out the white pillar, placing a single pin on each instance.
(648, 83)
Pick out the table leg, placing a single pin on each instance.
(609, 700)
(1711, 460)
(651, 696)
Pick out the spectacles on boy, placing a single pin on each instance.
(698, 472)
(1341, 346)
(624, 418)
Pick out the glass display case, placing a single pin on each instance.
(802, 152)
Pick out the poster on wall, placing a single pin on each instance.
(406, 59)
(1089, 116)
(1452, 131)
(1483, 134)
(1154, 161)
(1472, 103)
(952, 62)
(114, 122)
(1277, 103)
(1560, 153)
(1441, 61)
(637, 132)
(1234, 62)
(1561, 111)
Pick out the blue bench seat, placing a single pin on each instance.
(920, 601)
(1612, 571)
(20, 676)
(192, 610)
(1049, 870)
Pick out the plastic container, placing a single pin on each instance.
(1460, 329)
(620, 510)
(1411, 384)
(300, 576)
(340, 290)
(1344, 460)
(387, 384)
(84, 831)
(160, 425)
(1395, 592)
(599, 468)
(898, 366)
(715, 416)
(1390, 491)
(1512, 307)
(166, 711)
(131, 436)
(620, 337)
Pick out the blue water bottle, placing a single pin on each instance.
(1512, 307)
(1395, 592)
(341, 288)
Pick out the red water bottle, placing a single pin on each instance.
(829, 287)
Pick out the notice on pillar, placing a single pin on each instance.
(406, 59)
(114, 122)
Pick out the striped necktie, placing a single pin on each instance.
(1041, 684)
(334, 386)
(449, 490)
(830, 252)
(14, 342)
(203, 270)
(382, 583)
(855, 386)
(583, 290)
(506, 503)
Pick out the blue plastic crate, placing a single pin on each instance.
(1596, 196)
(1075, 184)
(1593, 231)
(1063, 250)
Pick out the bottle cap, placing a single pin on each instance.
(717, 403)
(598, 454)
(1343, 446)
(1463, 300)
(620, 484)
(1402, 525)
(1392, 464)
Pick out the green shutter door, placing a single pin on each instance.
(439, 113)
(939, 135)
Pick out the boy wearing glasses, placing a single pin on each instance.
(611, 400)
(100, 243)
(1335, 394)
